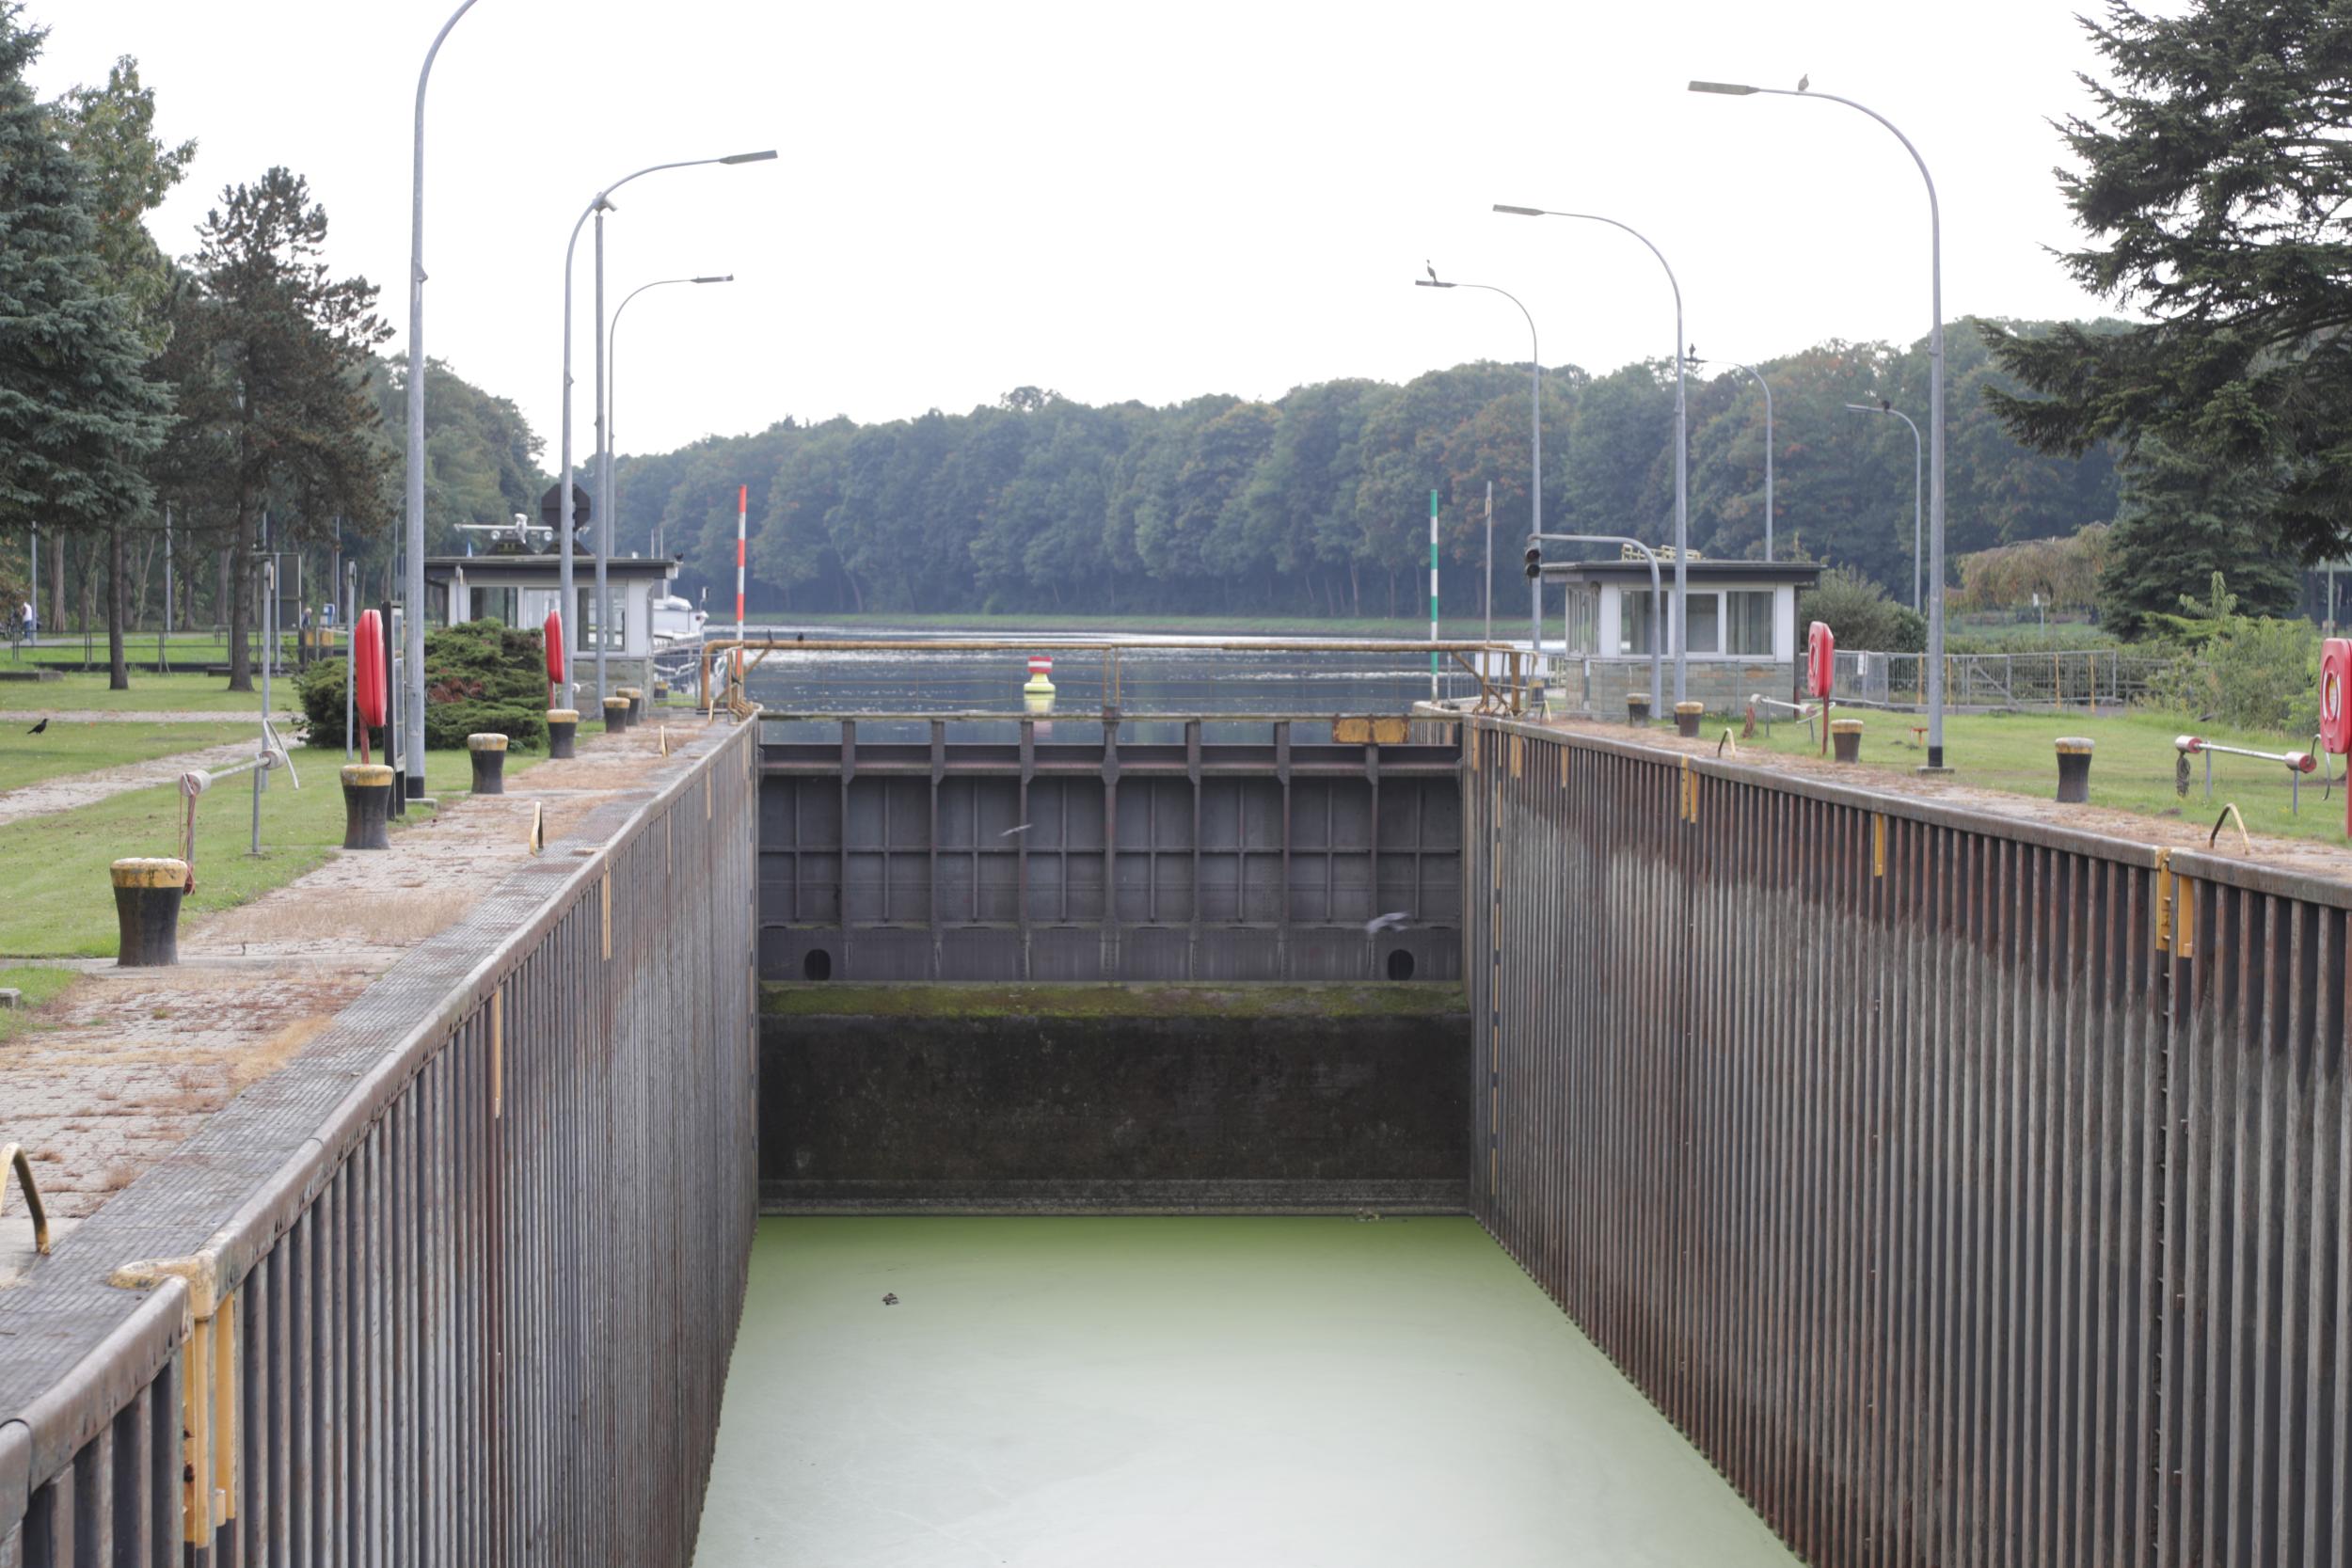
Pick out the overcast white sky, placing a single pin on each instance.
(1138, 201)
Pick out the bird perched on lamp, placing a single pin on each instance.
(1804, 81)
(1432, 269)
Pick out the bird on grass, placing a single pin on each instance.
(890, 1298)
(38, 728)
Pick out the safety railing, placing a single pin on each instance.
(459, 1283)
(2089, 680)
(1969, 1189)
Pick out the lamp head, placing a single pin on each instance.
(1430, 283)
(728, 277)
(1519, 212)
(1728, 89)
(1860, 408)
(749, 157)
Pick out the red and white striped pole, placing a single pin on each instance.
(742, 514)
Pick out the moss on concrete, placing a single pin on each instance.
(950, 999)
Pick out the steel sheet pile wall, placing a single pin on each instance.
(457, 1285)
(1969, 1190)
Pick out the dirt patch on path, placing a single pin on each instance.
(128, 1062)
(70, 790)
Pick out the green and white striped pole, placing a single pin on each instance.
(1433, 595)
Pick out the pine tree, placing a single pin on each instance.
(2182, 521)
(2214, 185)
(78, 417)
(271, 360)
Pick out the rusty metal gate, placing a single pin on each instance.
(458, 1284)
(1968, 1190)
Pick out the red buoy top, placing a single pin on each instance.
(552, 634)
(1821, 659)
(369, 690)
(1040, 665)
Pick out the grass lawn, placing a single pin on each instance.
(2132, 770)
(37, 985)
(182, 693)
(64, 749)
(59, 902)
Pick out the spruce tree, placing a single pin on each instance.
(78, 417)
(2180, 521)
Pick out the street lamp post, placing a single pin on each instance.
(1535, 473)
(1766, 387)
(1935, 399)
(1889, 408)
(596, 208)
(613, 352)
(1682, 441)
(414, 506)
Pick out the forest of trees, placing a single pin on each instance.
(1316, 504)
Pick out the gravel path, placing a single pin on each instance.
(70, 790)
(108, 716)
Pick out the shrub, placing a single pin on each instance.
(1861, 616)
(479, 678)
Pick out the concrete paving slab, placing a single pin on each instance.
(1051, 1391)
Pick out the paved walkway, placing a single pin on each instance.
(128, 1062)
(1067, 1393)
(70, 790)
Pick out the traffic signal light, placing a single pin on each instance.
(1535, 559)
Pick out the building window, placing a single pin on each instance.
(1750, 623)
(1705, 623)
(1633, 622)
(590, 629)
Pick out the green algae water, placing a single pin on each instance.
(1050, 1391)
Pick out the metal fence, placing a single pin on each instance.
(459, 1284)
(1970, 1191)
(2089, 680)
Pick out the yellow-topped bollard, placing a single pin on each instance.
(367, 805)
(147, 909)
(489, 763)
(1686, 715)
(1845, 739)
(1037, 693)
(563, 732)
(2074, 767)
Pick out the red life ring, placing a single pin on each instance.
(2335, 695)
(368, 689)
(552, 635)
(1820, 647)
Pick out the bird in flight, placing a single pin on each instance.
(1395, 920)
(1804, 81)
(1433, 271)
(38, 728)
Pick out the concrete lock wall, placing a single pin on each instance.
(459, 1282)
(1068, 855)
(1969, 1189)
(1113, 1099)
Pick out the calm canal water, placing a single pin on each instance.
(1192, 679)
(1186, 1391)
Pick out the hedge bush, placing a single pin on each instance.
(480, 678)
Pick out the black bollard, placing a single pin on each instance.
(636, 704)
(147, 909)
(563, 728)
(489, 763)
(1687, 718)
(367, 806)
(2073, 760)
(1845, 739)
(1636, 708)
(615, 715)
